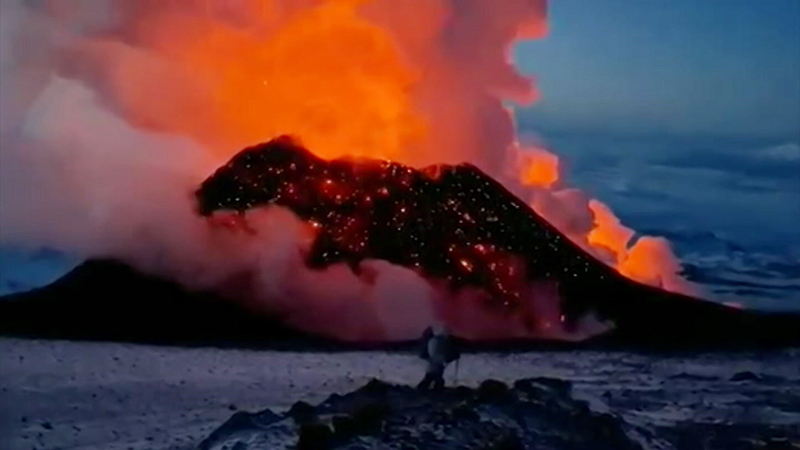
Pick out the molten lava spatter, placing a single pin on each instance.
(448, 222)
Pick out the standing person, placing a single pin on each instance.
(439, 349)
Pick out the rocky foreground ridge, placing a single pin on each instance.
(533, 413)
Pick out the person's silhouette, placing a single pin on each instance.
(439, 349)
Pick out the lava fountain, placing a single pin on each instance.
(122, 108)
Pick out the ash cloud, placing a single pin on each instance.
(111, 113)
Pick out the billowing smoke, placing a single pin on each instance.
(112, 111)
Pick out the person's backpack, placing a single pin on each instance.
(451, 351)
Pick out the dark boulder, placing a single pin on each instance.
(302, 412)
(370, 417)
(745, 376)
(492, 390)
(314, 436)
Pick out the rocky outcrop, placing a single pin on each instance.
(533, 413)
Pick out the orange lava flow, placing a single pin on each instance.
(648, 260)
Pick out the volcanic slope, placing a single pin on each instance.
(456, 223)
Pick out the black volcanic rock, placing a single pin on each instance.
(538, 417)
(452, 223)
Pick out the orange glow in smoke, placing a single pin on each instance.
(608, 233)
(539, 168)
(326, 75)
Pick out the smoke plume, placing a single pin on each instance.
(112, 111)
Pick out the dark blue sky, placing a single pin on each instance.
(720, 67)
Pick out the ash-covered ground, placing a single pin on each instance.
(69, 395)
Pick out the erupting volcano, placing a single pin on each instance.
(452, 223)
(128, 109)
(282, 184)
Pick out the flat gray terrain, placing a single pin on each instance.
(107, 396)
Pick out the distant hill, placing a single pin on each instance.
(108, 300)
(103, 300)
